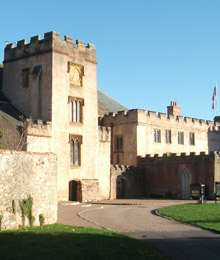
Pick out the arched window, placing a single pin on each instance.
(71, 152)
(76, 153)
(76, 105)
(75, 149)
(78, 112)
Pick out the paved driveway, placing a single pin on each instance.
(138, 219)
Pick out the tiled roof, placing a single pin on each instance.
(12, 115)
(107, 104)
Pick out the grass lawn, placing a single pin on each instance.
(202, 215)
(69, 242)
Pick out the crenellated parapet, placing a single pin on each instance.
(104, 134)
(119, 168)
(140, 116)
(124, 169)
(51, 42)
(175, 158)
(123, 117)
(38, 128)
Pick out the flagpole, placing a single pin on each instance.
(216, 98)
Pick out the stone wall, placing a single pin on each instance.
(104, 161)
(127, 182)
(66, 55)
(137, 128)
(24, 174)
(90, 190)
(39, 135)
(164, 176)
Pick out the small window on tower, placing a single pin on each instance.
(25, 78)
(75, 150)
(76, 110)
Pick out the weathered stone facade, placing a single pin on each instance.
(170, 176)
(54, 82)
(146, 132)
(24, 174)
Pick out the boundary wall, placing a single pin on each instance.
(163, 174)
(24, 174)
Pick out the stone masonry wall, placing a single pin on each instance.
(104, 161)
(127, 182)
(90, 190)
(24, 174)
(137, 128)
(163, 174)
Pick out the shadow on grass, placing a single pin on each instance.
(186, 245)
(50, 242)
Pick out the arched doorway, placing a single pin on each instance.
(185, 182)
(75, 191)
(121, 188)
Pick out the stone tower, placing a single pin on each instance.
(55, 80)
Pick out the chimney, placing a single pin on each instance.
(173, 109)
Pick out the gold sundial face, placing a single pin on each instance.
(75, 72)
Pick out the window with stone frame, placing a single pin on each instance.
(118, 143)
(180, 137)
(192, 138)
(76, 109)
(157, 135)
(75, 150)
(25, 78)
(168, 136)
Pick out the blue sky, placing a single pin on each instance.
(149, 52)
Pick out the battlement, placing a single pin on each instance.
(38, 128)
(123, 117)
(149, 158)
(51, 41)
(118, 168)
(104, 134)
(143, 116)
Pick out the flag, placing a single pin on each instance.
(213, 98)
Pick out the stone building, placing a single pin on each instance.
(170, 151)
(138, 132)
(52, 85)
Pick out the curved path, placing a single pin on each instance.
(174, 239)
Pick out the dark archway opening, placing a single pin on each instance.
(121, 188)
(75, 191)
(185, 182)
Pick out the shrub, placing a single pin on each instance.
(26, 210)
(41, 219)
